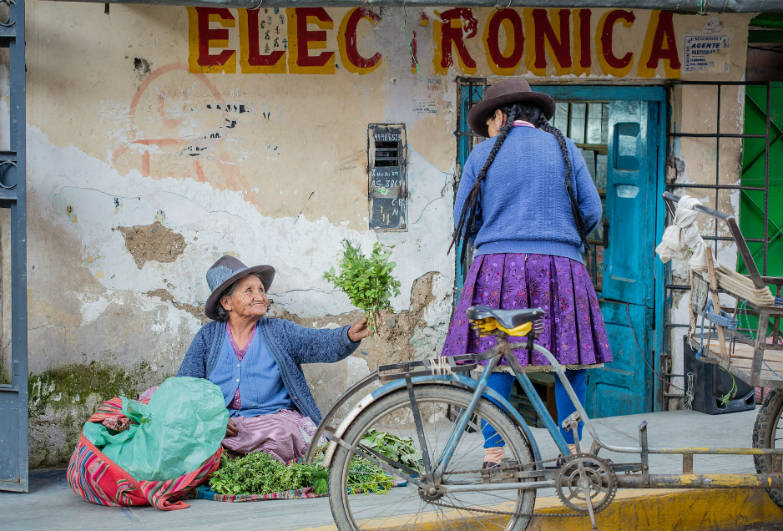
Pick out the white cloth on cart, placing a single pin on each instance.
(681, 240)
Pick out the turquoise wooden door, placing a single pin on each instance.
(625, 385)
(619, 131)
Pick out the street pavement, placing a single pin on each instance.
(51, 505)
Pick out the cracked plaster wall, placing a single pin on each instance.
(124, 141)
(124, 219)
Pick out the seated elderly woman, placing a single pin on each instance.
(256, 361)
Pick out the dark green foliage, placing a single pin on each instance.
(396, 448)
(365, 477)
(259, 473)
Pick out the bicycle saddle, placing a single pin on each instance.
(506, 318)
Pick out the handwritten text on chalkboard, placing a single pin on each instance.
(388, 178)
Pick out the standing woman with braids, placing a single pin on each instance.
(527, 201)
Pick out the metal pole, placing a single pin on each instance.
(689, 481)
(717, 168)
(679, 6)
(768, 115)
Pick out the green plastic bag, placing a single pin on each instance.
(181, 426)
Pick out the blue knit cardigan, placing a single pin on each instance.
(524, 206)
(289, 343)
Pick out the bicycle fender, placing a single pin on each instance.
(449, 379)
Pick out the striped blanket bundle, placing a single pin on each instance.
(97, 479)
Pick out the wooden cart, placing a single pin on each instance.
(721, 299)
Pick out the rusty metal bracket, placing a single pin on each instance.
(687, 463)
(644, 453)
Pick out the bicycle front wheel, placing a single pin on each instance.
(357, 505)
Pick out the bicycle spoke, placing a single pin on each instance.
(409, 507)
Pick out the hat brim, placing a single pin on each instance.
(266, 272)
(480, 112)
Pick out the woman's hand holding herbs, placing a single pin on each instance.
(358, 330)
(367, 280)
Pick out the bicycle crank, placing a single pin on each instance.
(586, 483)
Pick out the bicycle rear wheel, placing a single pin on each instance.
(768, 433)
(406, 508)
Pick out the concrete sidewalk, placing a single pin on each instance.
(51, 505)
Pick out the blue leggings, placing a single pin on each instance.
(501, 382)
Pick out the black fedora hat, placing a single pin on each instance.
(506, 92)
(225, 272)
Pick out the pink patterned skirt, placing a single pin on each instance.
(574, 330)
(285, 435)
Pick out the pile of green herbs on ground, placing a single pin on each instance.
(259, 473)
(365, 477)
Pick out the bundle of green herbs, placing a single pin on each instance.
(397, 448)
(367, 280)
(259, 473)
(365, 477)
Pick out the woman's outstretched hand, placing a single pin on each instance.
(358, 330)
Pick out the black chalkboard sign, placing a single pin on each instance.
(387, 166)
(388, 213)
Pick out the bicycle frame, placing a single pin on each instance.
(503, 350)
(581, 480)
(685, 480)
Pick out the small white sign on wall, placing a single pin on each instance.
(702, 53)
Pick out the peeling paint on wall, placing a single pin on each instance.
(135, 293)
(152, 243)
(269, 170)
(141, 66)
(164, 295)
(61, 400)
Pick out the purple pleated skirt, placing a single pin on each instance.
(574, 329)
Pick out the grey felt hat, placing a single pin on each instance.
(225, 272)
(506, 92)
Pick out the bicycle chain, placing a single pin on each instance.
(495, 470)
(531, 466)
(490, 511)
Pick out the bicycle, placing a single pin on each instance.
(447, 476)
(442, 411)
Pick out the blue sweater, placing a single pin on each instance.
(290, 346)
(524, 206)
(261, 388)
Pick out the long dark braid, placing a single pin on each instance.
(544, 125)
(529, 113)
(467, 218)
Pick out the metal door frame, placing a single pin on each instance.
(716, 187)
(13, 396)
